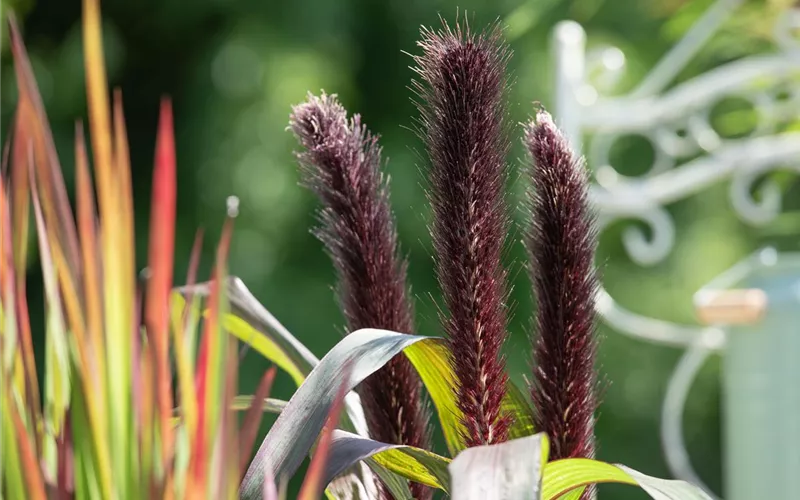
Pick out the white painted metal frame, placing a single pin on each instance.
(676, 122)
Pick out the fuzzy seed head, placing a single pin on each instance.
(561, 243)
(341, 165)
(463, 123)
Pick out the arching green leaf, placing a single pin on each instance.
(411, 463)
(297, 427)
(264, 345)
(563, 476)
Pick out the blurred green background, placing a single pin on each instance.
(234, 68)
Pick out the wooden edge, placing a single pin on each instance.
(731, 307)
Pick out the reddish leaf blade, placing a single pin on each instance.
(36, 136)
(252, 420)
(191, 278)
(270, 490)
(65, 478)
(20, 213)
(92, 289)
(27, 455)
(205, 366)
(162, 248)
(6, 252)
(28, 360)
(20, 190)
(312, 484)
(194, 259)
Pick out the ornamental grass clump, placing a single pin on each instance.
(108, 427)
(109, 420)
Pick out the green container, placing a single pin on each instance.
(761, 377)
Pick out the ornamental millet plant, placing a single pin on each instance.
(463, 126)
(561, 243)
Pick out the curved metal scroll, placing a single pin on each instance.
(677, 124)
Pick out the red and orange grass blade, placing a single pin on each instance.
(252, 419)
(159, 285)
(210, 376)
(118, 296)
(312, 484)
(11, 376)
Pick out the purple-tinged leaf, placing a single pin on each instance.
(252, 419)
(314, 483)
(291, 437)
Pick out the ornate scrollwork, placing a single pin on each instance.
(601, 144)
(678, 124)
(650, 250)
(646, 249)
(749, 209)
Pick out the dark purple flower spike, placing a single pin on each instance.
(341, 165)
(561, 242)
(463, 123)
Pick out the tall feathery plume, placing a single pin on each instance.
(341, 165)
(463, 122)
(561, 242)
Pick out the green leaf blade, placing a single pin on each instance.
(264, 345)
(293, 434)
(432, 362)
(506, 471)
(564, 476)
(408, 462)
